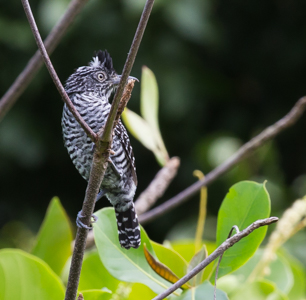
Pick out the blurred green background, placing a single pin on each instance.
(225, 70)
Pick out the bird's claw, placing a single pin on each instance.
(80, 224)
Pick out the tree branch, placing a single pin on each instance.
(158, 185)
(98, 168)
(107, 133)
(103, 143)
(35, 63)
(219, 251)
(151, 194)
(245, 151)
(52, 72)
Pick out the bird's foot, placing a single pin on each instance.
(101, 194)
(80, 224)
(93, 147)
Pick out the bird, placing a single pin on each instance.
(90, 89)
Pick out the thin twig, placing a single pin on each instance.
(52, 72)
(35, 63)
(245, 151)
(107, 133)
(105, 136)
(100, 159)
(220, 258)
(220, 250)
(202, 214)
(98, 168)
(158, 185)
(103, 144)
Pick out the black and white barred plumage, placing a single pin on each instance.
(89, 89)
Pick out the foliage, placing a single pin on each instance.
(211, 134)
(146, 129)
(111, 270)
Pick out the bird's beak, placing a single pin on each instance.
(116, 80)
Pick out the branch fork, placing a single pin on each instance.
(102, 140)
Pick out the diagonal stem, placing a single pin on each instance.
(35, 63)
(52, 72)
(107, 133)
(101, 154)
(246, 150)
(219, 251)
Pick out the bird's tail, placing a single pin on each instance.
(128, 228)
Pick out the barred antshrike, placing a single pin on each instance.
(90, 88)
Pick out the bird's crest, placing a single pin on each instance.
(102, 59)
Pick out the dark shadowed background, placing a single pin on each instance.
(225, 70)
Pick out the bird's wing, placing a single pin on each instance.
(120, 131)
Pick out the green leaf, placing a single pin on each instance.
(245, 203)
(174, 261)
(229, 283)
(279, 271)
(25, 277)
(149, 98)
(186, 248)
(298, 290)
(96, 295)
(203, 291)
(149, 106)
(53, 244)
(94, 275)
(197, 258)
(281, 274)
(258, 290)
(147, 130)
(141, 292)
(126, 265)
(140, 129)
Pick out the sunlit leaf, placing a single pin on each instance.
(27, 277)
(149, 98)
(141, 292)
(161, 269)
(171, 259)
(146, 129)
(186, 249)
(94, 275)
(96, 295)
(197, 258)
(126, 265)
(245, 203)
(140, 129)
(149, 105)
(54, 239)
(202, 291)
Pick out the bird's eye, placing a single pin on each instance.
(100, 76)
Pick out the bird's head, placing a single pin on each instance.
(99, 77)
